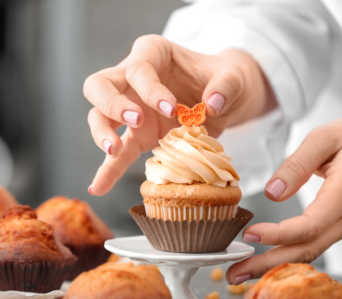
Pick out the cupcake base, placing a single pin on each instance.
(36, 277)
(204, 236)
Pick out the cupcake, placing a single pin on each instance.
(124, 281)
(6, 199)
(31, 259)
(295, 281)
(190, 180)
(79, 228)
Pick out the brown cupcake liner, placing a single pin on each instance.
(36, 277)
(89, 257)
(204, 236)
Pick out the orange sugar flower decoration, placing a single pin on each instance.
(188, 116)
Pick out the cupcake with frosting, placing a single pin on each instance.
(190, 178)
(192, 187)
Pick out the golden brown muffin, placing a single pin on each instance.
(31, 259)
(190, 202)
(77, 227)
(295, 281)
(114, 281)
(6, 199)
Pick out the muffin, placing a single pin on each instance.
(6, 199)
(124, 281)
(31, 259)
(77, 227)
(191, 195)
(295, 281)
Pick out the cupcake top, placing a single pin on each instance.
(124, 281)
(74, 221)
(188, 155)
(6, 200)
(25, 238)
(295, 281)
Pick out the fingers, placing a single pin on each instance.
(151, 54)
(101, 92)
(325, 210)
(103, 131)
(256, 266)
(223, 89)
(113, 168)
(317, 147)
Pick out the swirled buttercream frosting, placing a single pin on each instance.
(188, 155)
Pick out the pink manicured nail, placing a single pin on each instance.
(131, 117)
(89, 189)
(251, 238)
(217, 101)
(166, 108)
(242, 278)
(107, 144)
(276, 188)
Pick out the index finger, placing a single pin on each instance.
(101, 91)
(151, 55)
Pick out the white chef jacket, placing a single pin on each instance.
(297, 43)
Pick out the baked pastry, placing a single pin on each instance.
(79, 228)
(295, 281)
(124, 281)
(190, 178)
(6, 199)
(191, 195)
(31, 259)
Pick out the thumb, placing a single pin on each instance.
(299, 167)
(220, 93)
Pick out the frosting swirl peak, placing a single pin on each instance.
(188, 155)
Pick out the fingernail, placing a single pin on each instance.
(251, 238)
(276, 188)
(242, 278)
(166, 108)
(131, 117)
(107, 144)
(89, 189)
(217, 101)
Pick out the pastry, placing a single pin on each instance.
(191, 195)
(79, 228)
(190, 178)
(295, 281)
(124, 281)
(31, 259)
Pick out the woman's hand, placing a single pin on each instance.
(143, 90)
(303, 238)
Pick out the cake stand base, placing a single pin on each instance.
(177, 268)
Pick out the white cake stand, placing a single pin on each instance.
(177, 268)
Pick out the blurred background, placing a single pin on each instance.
(47, 49)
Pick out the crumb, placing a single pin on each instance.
(250, 285)
(214, 295)
(239, 289)
(216, 274)
(113, 258)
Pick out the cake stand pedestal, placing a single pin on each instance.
(177, 268)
